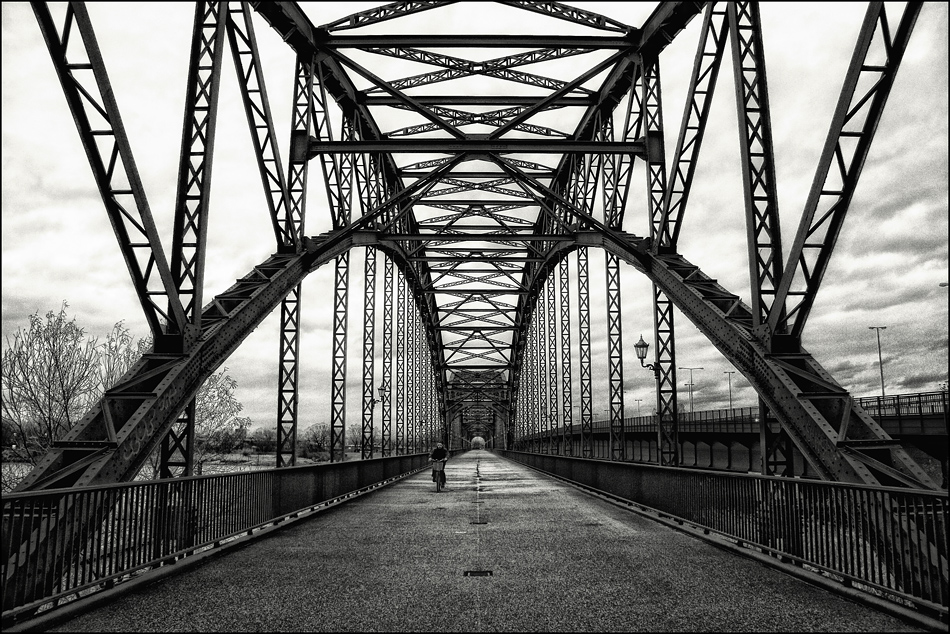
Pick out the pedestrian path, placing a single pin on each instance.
(503, 549)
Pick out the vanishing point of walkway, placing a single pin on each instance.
(504, 549)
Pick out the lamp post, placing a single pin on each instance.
(730, 373)
(666, 430)
(880, 359)
(691, 384)
(638, 406)
(374, 402)
(689, 387)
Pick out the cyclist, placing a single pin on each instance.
(440, 453)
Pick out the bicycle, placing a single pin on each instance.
(438, 472)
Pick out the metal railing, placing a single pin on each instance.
(62, 543)
(887, 541)
(923, 413)
(899, 414)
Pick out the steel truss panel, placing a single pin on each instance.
(338, 359)
(664, 364)
(758, 162)
(259, 119)
(191, 207)
(567, 407)
(702, 85)
(291, 229)
(583, 329)
(399, 375)
(386, 435)
(551, 346)
(177, 456)
(852, 129)
(831, 431)
(615, 358)
(369, 336)
(96, 115)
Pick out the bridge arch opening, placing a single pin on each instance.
(478, 442)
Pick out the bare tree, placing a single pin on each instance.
(119, 354)
(51, 376)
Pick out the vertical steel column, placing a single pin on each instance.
(259, 119)
(702, 85)
(614, 193)
(293, 227)
(758, 163)
(615, 358)
(552, 347)
(412, 376)
(665, 362)
(302, 119)
(775, 448)
(544, 352)
(176, 456)
(287, 380)
(400, 370)
(338, 369)
(567, 408)
(763, 228)
(195, 161)
(386, 440)
(537, 378)
(583, 324)
(369, 335)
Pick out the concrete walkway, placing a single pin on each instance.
(504, 549)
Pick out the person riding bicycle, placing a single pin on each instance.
(437, 454)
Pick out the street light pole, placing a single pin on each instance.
(880, 358)
(638, 406)
(730, 373)
(691, 386)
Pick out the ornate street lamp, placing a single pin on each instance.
(641, 348)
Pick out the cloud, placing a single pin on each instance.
(57, 243)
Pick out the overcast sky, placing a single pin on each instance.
(891, 256)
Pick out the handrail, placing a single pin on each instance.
(886, 541)
(58, 544)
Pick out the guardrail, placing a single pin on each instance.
(889, 542)
(65, 543)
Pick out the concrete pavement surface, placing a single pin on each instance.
(503, 549)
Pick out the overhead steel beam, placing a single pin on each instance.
(592, 42)
(472, 145)
(475, 100)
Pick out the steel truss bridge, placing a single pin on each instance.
(479, 187)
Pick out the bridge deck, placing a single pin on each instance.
(396, 559)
